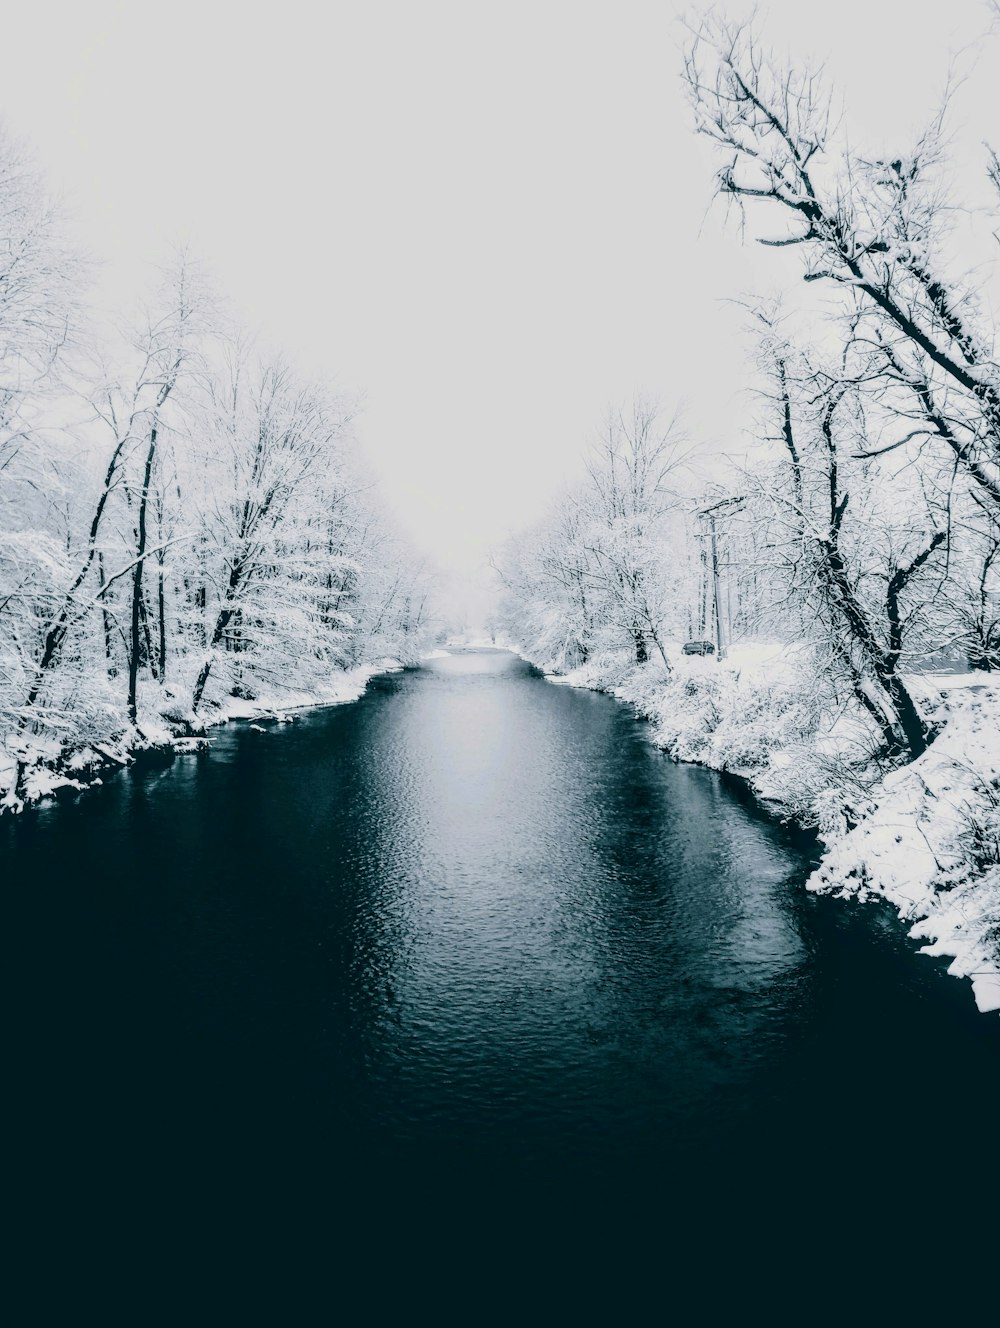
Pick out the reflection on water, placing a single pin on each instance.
(474, 919)
(571, 916)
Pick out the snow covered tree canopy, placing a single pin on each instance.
(184, 520)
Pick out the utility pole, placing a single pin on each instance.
(719, 650)
(710, 514)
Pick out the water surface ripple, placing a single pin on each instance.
(472, 921)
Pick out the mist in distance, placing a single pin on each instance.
(488, 224)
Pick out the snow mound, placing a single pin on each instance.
(931, 843)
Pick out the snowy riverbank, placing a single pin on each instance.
(926, 837)
(166, 727)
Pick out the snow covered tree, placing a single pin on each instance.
(600, 572)
(269, 438)
(876, 229)
(546, 573)
(629, 498)
(852, 563)
(182, 519)
(39, 301)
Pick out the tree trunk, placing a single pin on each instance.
(641, 649)
(659, 647)
(138, 616)
(149, 656)
(161, 606)
(106, 620)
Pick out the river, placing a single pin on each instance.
(474, 924)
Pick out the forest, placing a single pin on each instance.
(821, 613)
(187, 529)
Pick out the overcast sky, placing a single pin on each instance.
(490, 218)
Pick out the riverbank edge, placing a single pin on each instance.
(162, 735)
(956, 918)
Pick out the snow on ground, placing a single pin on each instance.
(925, 837)
(342, 688)
(931, 845)
(160, 715)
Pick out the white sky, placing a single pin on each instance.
(490, 218)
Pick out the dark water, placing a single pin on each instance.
(473, 932)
